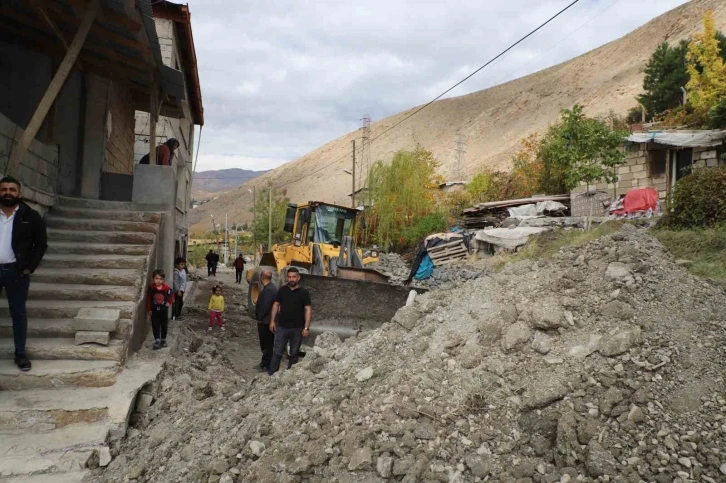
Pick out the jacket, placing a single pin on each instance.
(30, 240)
(239, 263)
(180, 280)
(158, 298)
(263, 309)
(216, 303)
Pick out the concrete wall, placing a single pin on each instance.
(38, 168)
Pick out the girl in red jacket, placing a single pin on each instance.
(158, 300)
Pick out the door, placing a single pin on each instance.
(681, 164)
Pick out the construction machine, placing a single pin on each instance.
(347, 297)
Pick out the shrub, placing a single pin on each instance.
(423, 227)
(699, 200)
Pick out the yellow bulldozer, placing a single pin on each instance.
(322, 247)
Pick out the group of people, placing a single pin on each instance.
(213, 260)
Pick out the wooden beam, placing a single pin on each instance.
(54, 88)
(61, 36)
(109, 15)
(153, 118)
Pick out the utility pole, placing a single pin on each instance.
(254, 221)
(460, 146)
(269, 220)
(226, 240)
(365, 154)
(352, 195)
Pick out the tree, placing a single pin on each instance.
(706, 66)
(665, 73)
(402, 192)
(579, 149)
(261, 209)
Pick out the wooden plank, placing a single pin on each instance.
(54, 88)
(109, 15)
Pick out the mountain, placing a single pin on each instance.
(206, 183)
(494, 120)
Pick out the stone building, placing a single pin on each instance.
(654, 160)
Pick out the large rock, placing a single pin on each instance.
(617, 309)
(257, 448)
(542, 343)
(360, 459)
(384, 466)
(610, 399)
(544, 391)
(620, 342)
(599, 461)
(618, 272)
(407, 317)
(479, 465)
(547, 314)
(516, 335)
(364, 374)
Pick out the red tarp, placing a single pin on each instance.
(638, 200)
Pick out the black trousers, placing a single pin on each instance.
(159, 324)
(210, 268)
(267, 342)
(214, 269)
(178, 304)
(16, 286)
(238, 272)
(284, 335)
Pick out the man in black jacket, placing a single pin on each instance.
(23, 242)
(263, 311)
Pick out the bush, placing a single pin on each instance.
(699, 200)
(423, 227)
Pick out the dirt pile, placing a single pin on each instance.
(397, 269)
(604, 364)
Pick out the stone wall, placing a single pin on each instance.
(119, 153)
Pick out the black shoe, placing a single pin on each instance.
(23, 363)
(163, 343)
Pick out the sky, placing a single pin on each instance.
(281, 78)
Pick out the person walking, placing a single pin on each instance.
(239, 266)
(210, 262)
(290, 320)
(158, 300)
(263, 314)
(179, 286)
(216, 308)
(23, 242)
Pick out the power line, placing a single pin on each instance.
(419, 109)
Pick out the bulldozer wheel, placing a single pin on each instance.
(254, 288)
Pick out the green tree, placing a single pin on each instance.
(665, 73)
(579, 149)
(261, 210)
(402, 192)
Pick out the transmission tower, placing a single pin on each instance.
(460, 148)
(365, 151)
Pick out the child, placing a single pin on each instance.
(180, 286)
(216, 308)
(158, 300)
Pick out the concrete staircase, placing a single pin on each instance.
(88, 288)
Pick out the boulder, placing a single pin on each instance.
(516, 335)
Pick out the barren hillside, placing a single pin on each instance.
(494, 119)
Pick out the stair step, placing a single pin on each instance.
(46, 409)
(64, 348)
(112, 225)
(65, 248)
(87, 204)
(65, 261)
(120, 237)
(56, 291)
(67, 309)
(57, 373)
(143, 216)
(61, 450)
(87, 276)
(40, 328)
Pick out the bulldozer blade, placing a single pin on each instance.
(364, 274)
(347, 307)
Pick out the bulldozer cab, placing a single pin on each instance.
(322, 223)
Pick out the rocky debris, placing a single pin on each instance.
(392, 265)
(543, 372)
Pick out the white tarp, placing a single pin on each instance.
(685, 139)
(508, 238)
(535, 209)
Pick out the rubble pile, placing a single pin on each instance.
(606, 363)
(395, 267)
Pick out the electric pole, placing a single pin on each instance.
(365, 151)
(226, 240)
(269, 220)
(460, 146)
(352, 195)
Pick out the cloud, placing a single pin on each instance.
(282, 78)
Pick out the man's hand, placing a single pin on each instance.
(273, 327)
(26, 271)
(306, 332)
(179, 293)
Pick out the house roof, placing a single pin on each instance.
(180, 15)
(122, 44)
(685, 139)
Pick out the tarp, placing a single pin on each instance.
(685, 139)
(638, 200)
(425, 268)
(508, 238)
(535, 209)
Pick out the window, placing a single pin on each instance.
(333, 223)
(657, 162)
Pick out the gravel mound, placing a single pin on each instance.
(397, 269)
(606, 363)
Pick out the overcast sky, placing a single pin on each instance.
(281, 78)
